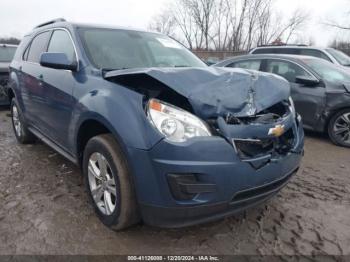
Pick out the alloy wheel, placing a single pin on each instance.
(102, 183)
(341, 128)
(16, 121)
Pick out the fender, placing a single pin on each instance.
(123, 108)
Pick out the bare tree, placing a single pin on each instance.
(164, 23)
(297, 20)
(338, 25)
(185, 23)
(9, 40)
(202, 13)
(254, 7)
(233, 25)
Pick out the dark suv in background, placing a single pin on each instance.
(329, 54)
(6, 54)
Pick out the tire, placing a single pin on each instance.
(120, 192)
(23, 135)
(339, 128)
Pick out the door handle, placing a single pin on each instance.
(40, 77)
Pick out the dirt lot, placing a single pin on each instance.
(44, 210)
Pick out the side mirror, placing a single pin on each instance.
(307, 81)
(57, 61)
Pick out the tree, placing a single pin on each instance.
(10, 40)
(233, 25)
(163, 23)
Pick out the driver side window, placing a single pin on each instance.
(285, 69)
(61, 42)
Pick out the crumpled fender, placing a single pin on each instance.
(214, 92)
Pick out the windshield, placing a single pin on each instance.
(7, 53)
(328, 71)
(342, 58)
(122, 49)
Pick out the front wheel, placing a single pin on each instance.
(23, 135)
(339, 128)
(109, 183)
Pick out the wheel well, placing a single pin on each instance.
(88, 130)
(10, 94)
(334, 112)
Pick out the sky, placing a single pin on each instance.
(18, 17)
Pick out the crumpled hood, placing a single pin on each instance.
(214, 92)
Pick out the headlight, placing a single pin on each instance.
(175, 124)
(292, 107)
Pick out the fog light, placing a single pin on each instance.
(187, 186)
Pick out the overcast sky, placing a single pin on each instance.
(19, 17)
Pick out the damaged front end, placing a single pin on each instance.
(264, 137)
(231, 141)
(251, 110)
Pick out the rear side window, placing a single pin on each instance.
(38, 46)
(285, 69)
(315, 53)
(61, 43)
(248, 64)
(288, 51)
(264, 51)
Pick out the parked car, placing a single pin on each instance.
(6, 54)
(320, 90)
(211, 61)
(159, 135)
(329, 54)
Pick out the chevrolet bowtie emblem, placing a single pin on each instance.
(277, 131)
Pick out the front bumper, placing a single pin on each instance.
(239, 185)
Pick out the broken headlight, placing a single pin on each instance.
(174, 123)
(292, 107)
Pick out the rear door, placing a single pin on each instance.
(308, 100)
(32, 87)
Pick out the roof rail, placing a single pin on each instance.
(51, 22)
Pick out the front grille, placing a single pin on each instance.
(252, 148)
(262, 190)
(248, 148)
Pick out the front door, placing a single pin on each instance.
(308, 100)
(58, 89)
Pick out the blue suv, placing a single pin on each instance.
(159, 136)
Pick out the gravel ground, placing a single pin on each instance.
(45, 210)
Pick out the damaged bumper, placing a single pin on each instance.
(206, 178)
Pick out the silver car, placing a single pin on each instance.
(330, 54)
